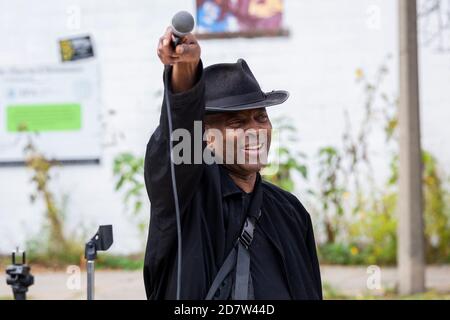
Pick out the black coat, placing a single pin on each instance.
(207, 196)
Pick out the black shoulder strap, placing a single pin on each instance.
(225, 269)
(239, 256)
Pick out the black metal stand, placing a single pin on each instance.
(19, 277)
(102, 240)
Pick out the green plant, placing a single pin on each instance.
(331, 190)
(366, 231)
(50, 246)
(437, 212)
(341, 169)
(129, 172)
(436, 207)
(374, 232)
(108, 261)
(289, 162)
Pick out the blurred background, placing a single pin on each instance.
(80, 95)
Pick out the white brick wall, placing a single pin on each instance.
(329, 40)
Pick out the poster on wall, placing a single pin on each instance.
(56, 107)
(233, 18)
(76, 48)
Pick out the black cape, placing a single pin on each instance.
(207, 196)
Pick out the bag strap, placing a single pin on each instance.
(239, 256)
(227, 267)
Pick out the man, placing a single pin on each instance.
(243, 238)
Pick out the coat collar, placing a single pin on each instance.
(230, 188)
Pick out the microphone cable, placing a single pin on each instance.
(174, 181)
(182, 24)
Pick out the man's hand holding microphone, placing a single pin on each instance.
(179, 48)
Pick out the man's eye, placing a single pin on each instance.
(234, 123)
(262, 118)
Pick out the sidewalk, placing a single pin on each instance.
(349, 280)
(352, 280)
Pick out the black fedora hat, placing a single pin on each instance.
(233, 87)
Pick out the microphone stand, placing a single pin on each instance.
(19, 277)
(101, 241)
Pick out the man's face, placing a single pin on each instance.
(244, 140)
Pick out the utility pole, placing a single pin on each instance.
(410, 256)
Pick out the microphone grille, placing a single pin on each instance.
(182, 23)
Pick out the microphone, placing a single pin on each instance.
(182, 24)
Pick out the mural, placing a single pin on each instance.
(239, 16)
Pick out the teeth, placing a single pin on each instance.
(259, 146)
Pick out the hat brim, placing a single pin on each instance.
(272, 98)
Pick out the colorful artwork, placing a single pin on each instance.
(239, 16)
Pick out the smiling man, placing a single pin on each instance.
(243, 238)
